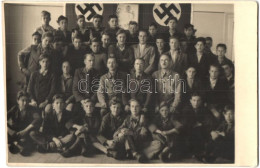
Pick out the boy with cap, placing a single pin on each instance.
(21, 120)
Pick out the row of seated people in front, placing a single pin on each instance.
(165, 84)
(206, 134)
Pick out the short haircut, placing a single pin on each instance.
(143, 30)
(47, 34)
(191, 66)
(133, 100)
(105, 33)
(22, 93)
(154, 25)
(133, 23)
(208, 39)
(230, 64)
(183, 40)
(120, 31)
(77, 36)
(61, 17)
(98, 16)
(174, 37)
(167, 55)
(200, 39)
(94, 40)
(195, 94)
(80, 17)
(37, 34)
(140, 59)
(44, 56)
(217, 107)
(58, 96)
(112, 57)
(114, 101)
(163, 104)
(160, 36)
(65, 60)
(112, 17)
(89, 101)
(57, 39)
(186, 26)
(222, 45)
(88, 54)
(228, 108)
(45, 13)
(214, 65)
(173, 18)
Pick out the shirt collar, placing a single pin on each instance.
(121, 48)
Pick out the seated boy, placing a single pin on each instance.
(42, 84)
(108, 87)
(166, 128)
(86, 126)
(123, 53)
(110, 123)
(105, 39)
(46, 27)
(100, 57)
(222, 139)
(112, 28)
(133, 133)
(21, 120)
(55, 136)
(66, 82)
(146, 52)
(196, 121)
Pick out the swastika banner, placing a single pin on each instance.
(89, 10)
(147, 13)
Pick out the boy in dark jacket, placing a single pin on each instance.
(21, 120)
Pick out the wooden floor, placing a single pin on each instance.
(97, 159)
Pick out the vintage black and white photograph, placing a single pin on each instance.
(120, 83)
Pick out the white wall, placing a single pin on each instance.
(21, 22)
(216, 21)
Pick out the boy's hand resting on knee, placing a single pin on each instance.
(57, 142)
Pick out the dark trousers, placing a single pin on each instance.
(220, 147)
(25, 142)
(40, 139)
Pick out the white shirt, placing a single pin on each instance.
(142, 47)
(213, 83)
(199, 57)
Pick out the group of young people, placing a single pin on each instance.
(131, 94)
